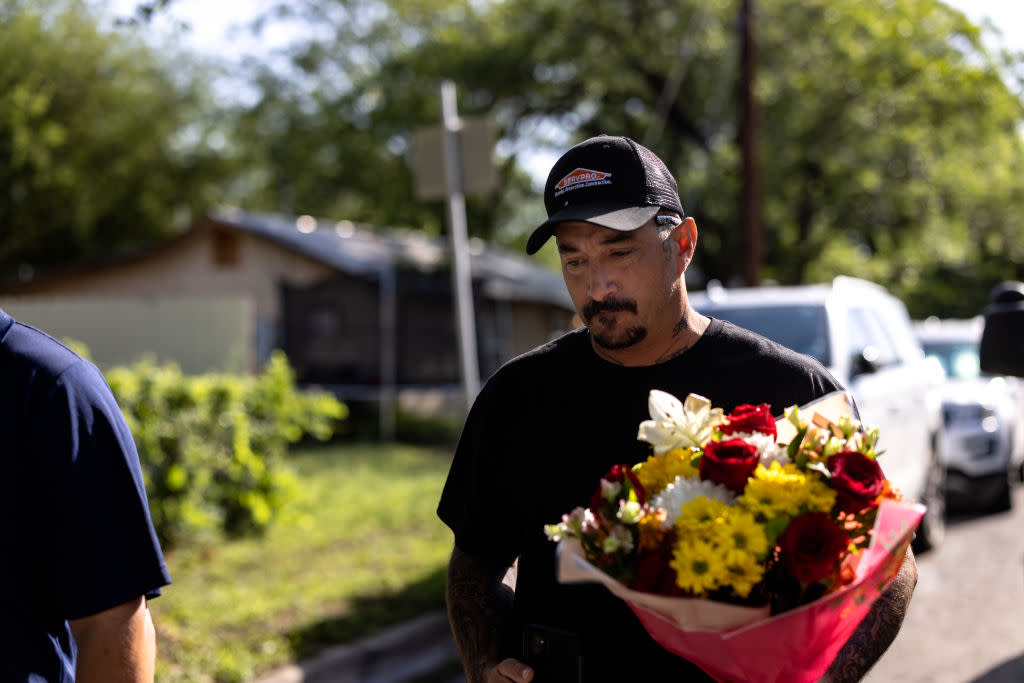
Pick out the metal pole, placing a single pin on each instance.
(388, 351)
(461, 277)
(750, 201)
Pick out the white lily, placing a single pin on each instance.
(678, 425)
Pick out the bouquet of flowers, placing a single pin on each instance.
(740, 533)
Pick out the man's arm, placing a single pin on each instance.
(118, 644)
(878, 629)
(479, 603)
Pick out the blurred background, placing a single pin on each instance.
(254, 202)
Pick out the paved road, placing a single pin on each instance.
(966, 620)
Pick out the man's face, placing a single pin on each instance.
(624, 285)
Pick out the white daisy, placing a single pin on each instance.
(683, 490)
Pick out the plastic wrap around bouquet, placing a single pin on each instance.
(748, 546)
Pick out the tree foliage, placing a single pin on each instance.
(890, 143)
(890, 133)
(104, 141)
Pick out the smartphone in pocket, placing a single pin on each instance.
(554, 654)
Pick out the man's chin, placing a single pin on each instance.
(611, 341)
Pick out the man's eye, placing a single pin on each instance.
(622, 252)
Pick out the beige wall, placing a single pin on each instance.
(179, 302)
(155, 302)
(188, 268)
(201, 334)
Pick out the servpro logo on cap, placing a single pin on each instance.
(581, 177)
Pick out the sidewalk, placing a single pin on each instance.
(409, 651)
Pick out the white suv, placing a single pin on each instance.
(865, 338)
(982, 437)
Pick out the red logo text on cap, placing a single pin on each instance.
(582, 177)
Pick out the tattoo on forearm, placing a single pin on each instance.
(477, 602)
(877, 631)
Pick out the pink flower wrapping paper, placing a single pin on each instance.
(740, 644)
(736, 644)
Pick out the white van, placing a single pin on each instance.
(865, 338)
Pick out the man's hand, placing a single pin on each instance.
(509, 670)
(117, 645)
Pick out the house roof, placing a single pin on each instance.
(360, 250)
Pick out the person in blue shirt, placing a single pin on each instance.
(79, 557)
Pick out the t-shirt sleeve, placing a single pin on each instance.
(108, 549)
(478, 502)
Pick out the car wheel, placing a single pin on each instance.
(1004, 500)
(1018, 472)
(932, 528)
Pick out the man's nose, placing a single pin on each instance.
(602, 283)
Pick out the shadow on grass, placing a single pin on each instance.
(368, 615)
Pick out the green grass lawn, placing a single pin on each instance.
(362, 548)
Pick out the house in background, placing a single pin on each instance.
(355, 309)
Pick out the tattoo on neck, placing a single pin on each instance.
(681, 326)
(684, 321)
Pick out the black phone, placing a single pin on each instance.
(554, 654)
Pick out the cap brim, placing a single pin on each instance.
(614, 216)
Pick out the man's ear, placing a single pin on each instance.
(686, 237)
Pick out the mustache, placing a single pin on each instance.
(609, 305)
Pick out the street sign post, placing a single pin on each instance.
(463, 148)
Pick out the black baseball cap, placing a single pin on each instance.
(611, 181)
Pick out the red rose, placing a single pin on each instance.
(748, 418)
(857, 480)
(729, 463)
(812, 546)
(618, 474)
(654, 572)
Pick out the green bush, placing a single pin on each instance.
(212, 446)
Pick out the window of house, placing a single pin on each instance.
(226, 248)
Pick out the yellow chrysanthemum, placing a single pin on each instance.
(700, 514)
(743, 575)
(719, 546)
(658, 471)
(698, 565)
(742, 538)
(785, 490)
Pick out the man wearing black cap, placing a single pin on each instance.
(550, 423)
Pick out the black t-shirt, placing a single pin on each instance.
(548, 425)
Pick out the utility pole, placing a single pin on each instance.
(461, 276)
(463, 149)
(749, 138)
